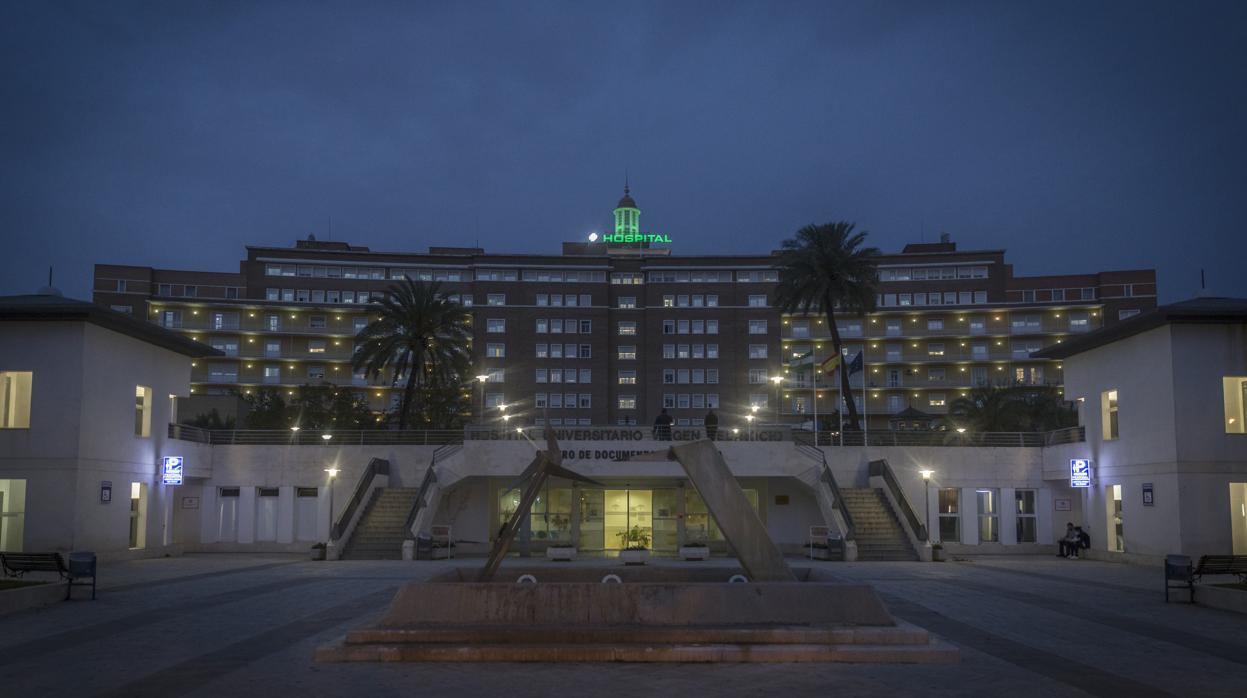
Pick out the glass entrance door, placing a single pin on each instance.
(627, 510)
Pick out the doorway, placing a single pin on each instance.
(138, 515)
(1238, 517)
(627, 511)
(1117, 540)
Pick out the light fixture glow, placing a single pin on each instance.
(326, 437)
(926, 474)
(593, 237)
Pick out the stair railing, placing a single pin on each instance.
(881, 469)
(816, 454)
(430, 476)
(376, 466)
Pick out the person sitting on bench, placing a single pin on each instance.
(1068, 545)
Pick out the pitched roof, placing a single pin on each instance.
(1195, 311)
(55, 308)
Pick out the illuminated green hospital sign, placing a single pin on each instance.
(629, 237)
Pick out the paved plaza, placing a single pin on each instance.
(215, 625)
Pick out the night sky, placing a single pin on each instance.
(1079, 136)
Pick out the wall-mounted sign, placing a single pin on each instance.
(633, 237)
(190, 502)
(106, 491)
(1149, 497)
(1079, 472)
(1061, 505)
(171, 470)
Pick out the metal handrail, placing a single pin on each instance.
(982, 439)
(315, 437)
(1068, 435)
(880, 468)
(430, 476)
(376, 466)
(815, 453)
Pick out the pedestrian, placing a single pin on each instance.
(712, 424)
(662, 426)
(1066, 544)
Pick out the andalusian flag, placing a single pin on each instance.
(802, 359)
(829, 365)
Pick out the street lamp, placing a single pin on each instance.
(326, 437)
(927, 486)
(482, 378)
(749, 418)
(333, 474)
(777, 380)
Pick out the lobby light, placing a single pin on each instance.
(926, 474)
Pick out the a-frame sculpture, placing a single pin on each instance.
(546, 463)
(725, 500)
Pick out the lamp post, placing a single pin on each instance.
(481, 379)
(333, 474)
(926, 493)
(749, 418)
(777, 380)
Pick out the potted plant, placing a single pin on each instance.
(695, 550)
(634, 544)
(318, 551)
(937, 553)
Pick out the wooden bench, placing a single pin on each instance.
(1178, 569)
(18, 564)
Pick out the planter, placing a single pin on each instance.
(694, 552)
(562, 553)
(633, 557)
(937, 554)
(818, 552)
(318, 553)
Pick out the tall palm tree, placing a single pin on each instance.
(827, 268)
(421, 338)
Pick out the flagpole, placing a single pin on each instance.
(865, 418)
(840, 396)
(814, 377)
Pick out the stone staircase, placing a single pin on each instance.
(381, 532)
(879, 533)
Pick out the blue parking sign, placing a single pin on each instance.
(1079, 472)
(171, 470)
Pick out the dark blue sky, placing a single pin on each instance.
(1079, 136)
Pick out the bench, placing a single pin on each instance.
(1178, 568)
(18, 564)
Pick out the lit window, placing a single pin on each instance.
(1235, 392)
(1108, 414)
(627, 402)
(142, 411)
(496, 351)
(627, 377)
(15, 399)
(627, 328)
(496, 299)
(627, 352)
(989, 515)
(950, 515)
(495, 325)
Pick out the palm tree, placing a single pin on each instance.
(826, 268)
(421, 338)
(990, 408)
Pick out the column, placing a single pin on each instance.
(1008, 516)
(969, 516)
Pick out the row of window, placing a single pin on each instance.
(890, 300)
(552, 326)
(932, 273)
(303, 295)
(272, 322)
(976, 324)
(686, 376)
(540, 275)
(988, 523)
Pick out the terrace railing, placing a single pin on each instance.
(316, 437)
(981, 439)
(376, 466)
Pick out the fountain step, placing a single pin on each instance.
(931, 653)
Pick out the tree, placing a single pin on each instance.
(439, 406)
(420, 339)
(211, 419)
(266, 409)
(1019, 408)
(826, 268)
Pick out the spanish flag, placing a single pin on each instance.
(829, 365)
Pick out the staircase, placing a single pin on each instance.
(879, 534)
(382, 527)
